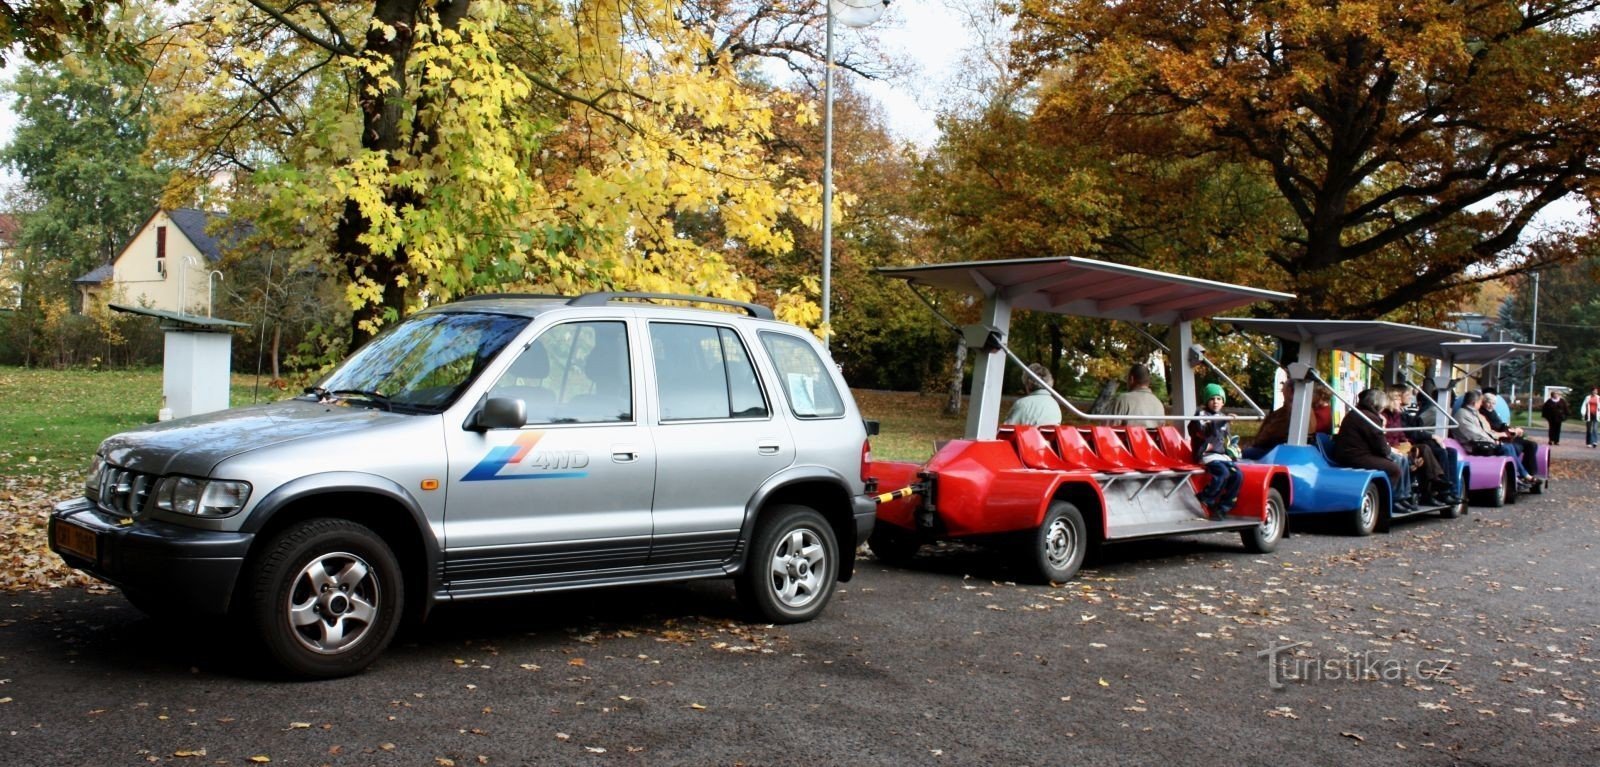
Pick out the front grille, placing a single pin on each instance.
(125, 492)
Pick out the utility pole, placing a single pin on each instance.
(1533, 359)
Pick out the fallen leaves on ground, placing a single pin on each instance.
(26, 561)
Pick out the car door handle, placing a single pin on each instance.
(624, 454)
(768, 448)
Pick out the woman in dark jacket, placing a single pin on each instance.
(1360, 444)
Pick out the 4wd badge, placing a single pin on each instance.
(545, 464)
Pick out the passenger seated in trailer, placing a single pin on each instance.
(1411, 417)
(1138, 400)
(1506, 432)
(1361, 445)
(1473, 432)
(1212, 442)
(1321, 411)
(1427, 469)
(1274, 429)
(1037, 407)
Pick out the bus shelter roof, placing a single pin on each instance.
(1085, 287)
(1366, 336)
(1485, 352)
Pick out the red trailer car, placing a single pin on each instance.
(1051, 492)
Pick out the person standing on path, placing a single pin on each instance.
(1591, 417)
(1554, 412)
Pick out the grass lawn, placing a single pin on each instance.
(54, 419)
(49, 429)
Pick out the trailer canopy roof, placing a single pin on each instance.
(1485, 352)
(1367, 336)
(1084, 287)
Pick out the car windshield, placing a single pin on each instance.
(422, 364)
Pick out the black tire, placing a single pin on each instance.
(1455, 510)
(1263, 538)
(321, 568)
(792, 568)
(893, 545)
(1056, 549)
(1364, 520)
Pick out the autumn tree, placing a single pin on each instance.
(552, 146)
(84, 185)
(1412, 145)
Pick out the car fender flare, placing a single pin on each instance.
(310, 486)
(774, 484)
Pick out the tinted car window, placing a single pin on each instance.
(704, 372)
(577, 372)
(803, 377)
(425, 362)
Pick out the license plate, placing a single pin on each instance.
(78, 540)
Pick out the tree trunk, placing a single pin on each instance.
(952, 405)
(277, 342)
(1102, 403)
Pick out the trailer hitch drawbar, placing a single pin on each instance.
(904, 492)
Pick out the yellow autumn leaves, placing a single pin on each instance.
(557, 147)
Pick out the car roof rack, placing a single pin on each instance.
(497, 296)
(601, 299)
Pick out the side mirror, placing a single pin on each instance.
(872, 427)
(499, 413)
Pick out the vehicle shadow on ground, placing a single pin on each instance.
(103, 634)
(1006, 564)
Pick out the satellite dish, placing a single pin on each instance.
(857, 13)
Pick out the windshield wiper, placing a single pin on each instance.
(371, 395)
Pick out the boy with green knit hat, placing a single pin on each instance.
(1211, 440)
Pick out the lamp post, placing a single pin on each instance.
(855, 14)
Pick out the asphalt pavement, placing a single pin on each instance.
(1467, 641)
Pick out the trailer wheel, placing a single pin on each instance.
(892, 545)
(1057, 547)
(1263, 538)
(1505, 492)
(1364, 519)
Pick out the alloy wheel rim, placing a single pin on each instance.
(333, 603)
(799, 564)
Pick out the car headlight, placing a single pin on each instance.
(201, 497)
(91, 485)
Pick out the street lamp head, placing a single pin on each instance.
(857, 13)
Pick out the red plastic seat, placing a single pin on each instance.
(1075, 451)
(1032, 449)
(1111, 449)
(1177, 449)
(1145, 451)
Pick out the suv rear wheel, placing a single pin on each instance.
(793, 566)
(326, 598)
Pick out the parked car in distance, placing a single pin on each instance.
(491, 447)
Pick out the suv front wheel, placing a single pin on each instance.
(326, 598)
(793, 565)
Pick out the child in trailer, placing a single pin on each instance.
(1215, 449)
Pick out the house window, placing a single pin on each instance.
(161, 251)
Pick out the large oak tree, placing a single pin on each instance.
(1412, 144)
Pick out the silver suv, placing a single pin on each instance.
(494, 446)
